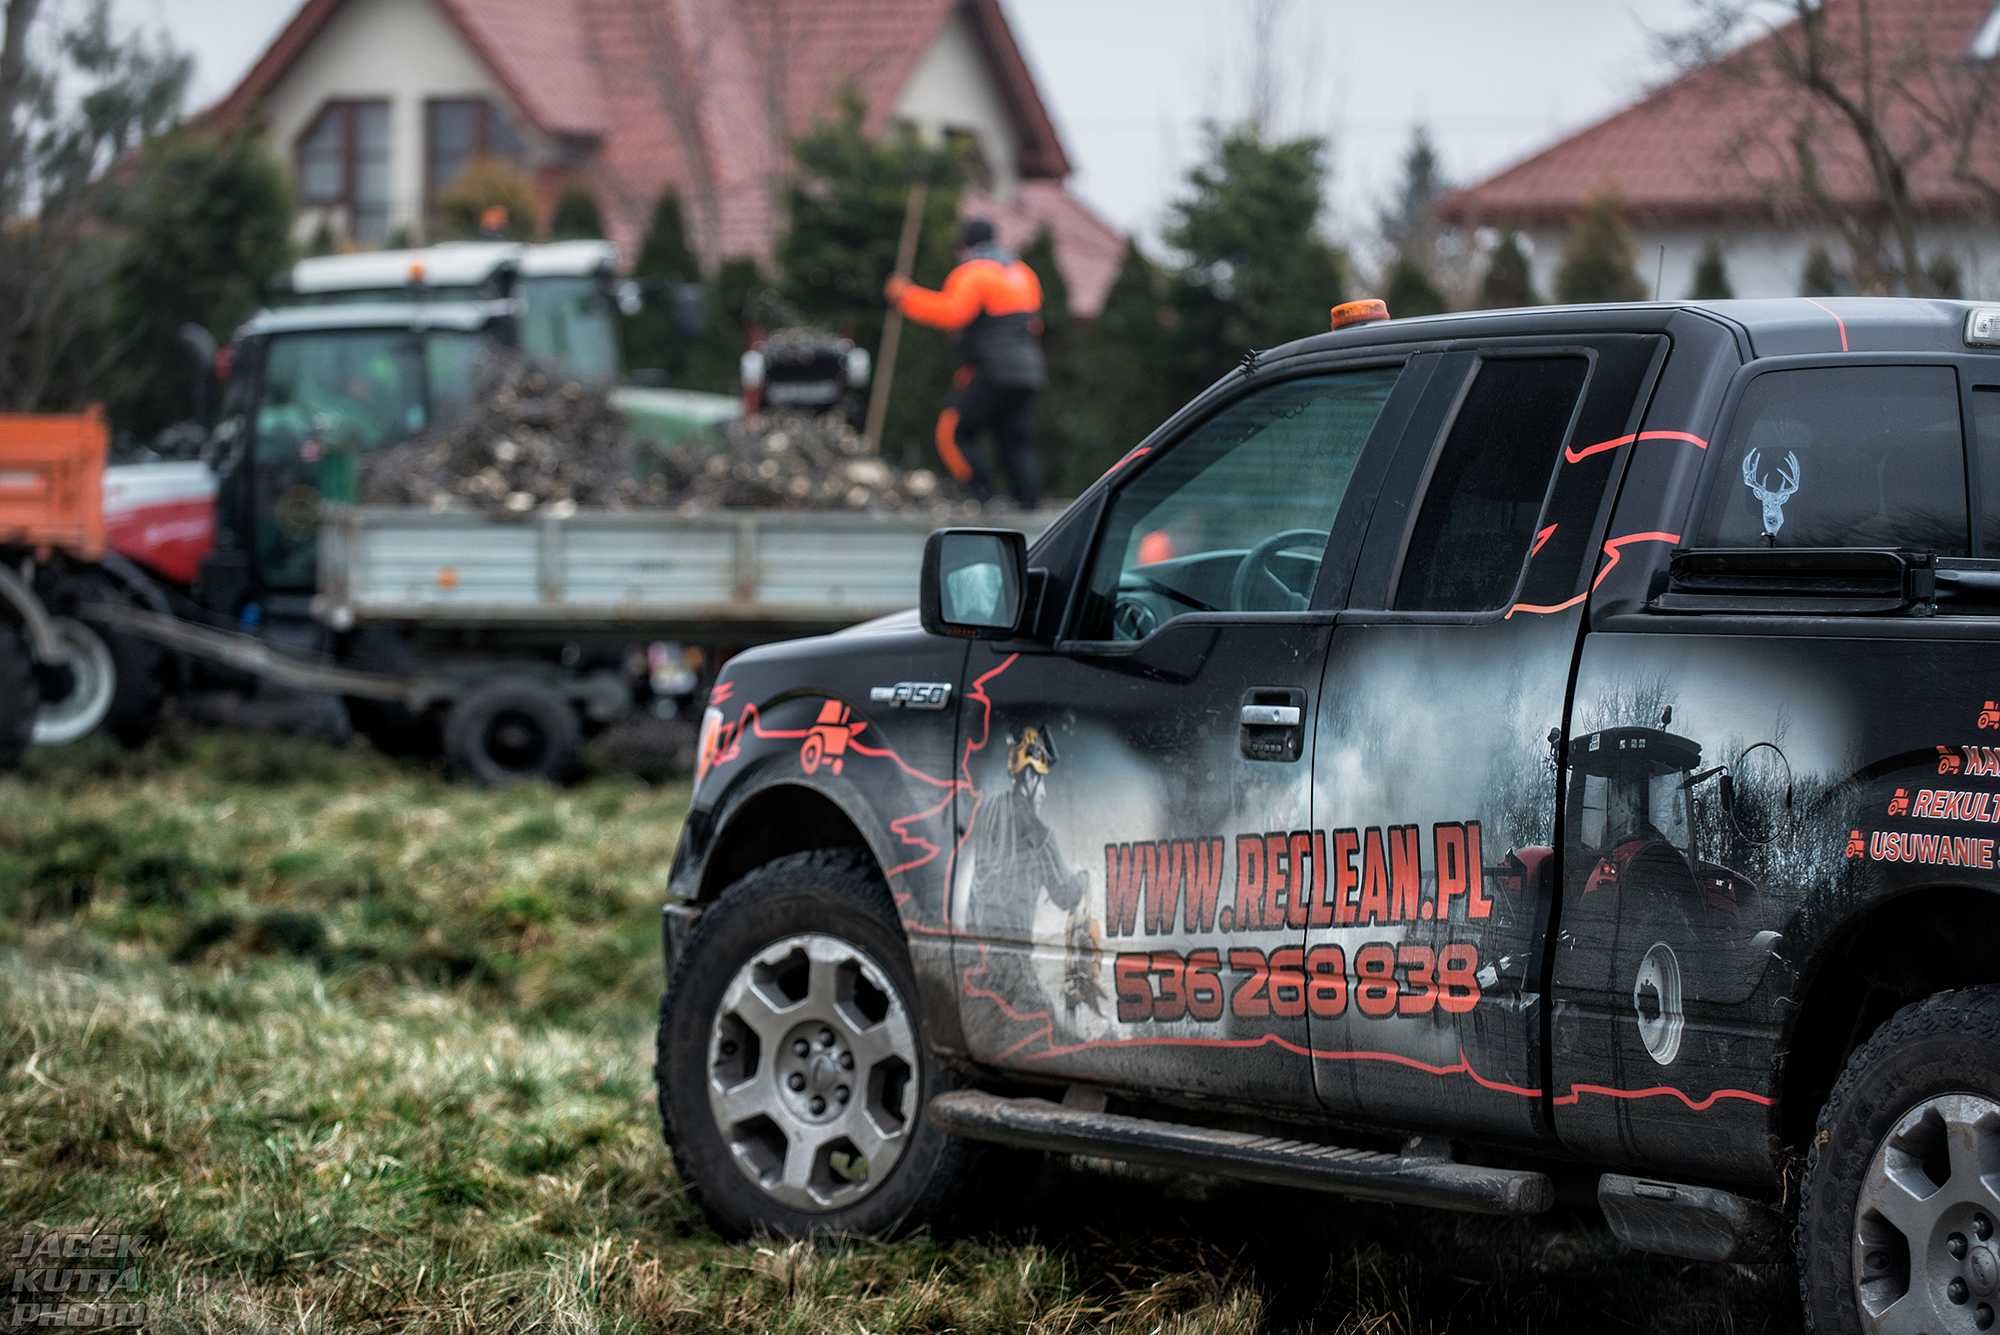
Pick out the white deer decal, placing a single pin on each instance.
(1774, 501)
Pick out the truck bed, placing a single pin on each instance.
(746, 571)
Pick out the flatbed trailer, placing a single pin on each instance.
(722, 579)
(502, 642)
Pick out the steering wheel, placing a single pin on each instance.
(1256, 571)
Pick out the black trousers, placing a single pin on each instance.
(1007, 413)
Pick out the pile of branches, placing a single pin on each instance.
(533, 440)
(797, 461)
(536, 442)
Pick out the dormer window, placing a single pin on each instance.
(343, 163)
(459, 130)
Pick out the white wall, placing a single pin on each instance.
(1765, 262)
(405, 51)
(954, 88)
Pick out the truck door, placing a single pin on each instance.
(1440, 728)
(1105, 930)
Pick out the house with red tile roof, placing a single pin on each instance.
(378, 104)
(1711, 155)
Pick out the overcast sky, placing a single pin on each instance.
(1130, 81)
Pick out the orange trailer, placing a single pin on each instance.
(51, 502)
(52, 482)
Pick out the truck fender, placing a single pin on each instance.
(42, 640)
(770, 776)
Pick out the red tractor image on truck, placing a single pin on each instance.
(826, 743)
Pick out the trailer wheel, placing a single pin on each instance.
(20, 696)
(119, 684)
(513, 730)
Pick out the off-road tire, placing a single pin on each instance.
(837, 892)
(20, 696)
(1946, 1044)
(475, 752)
(138, 692)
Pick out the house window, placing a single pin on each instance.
(456, 131)
(343, 162)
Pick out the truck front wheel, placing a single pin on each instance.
(1899, 1226)
(792, 1070)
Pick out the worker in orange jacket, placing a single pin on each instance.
(994, 303)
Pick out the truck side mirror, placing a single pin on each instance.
(974, 583)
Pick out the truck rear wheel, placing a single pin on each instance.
(1899, 1225)
(513, 730)
(792, 1070)
(20, 696)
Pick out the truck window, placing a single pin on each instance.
(1276, 461)
(1986, 435)
(1486, 489)
(1848, 456)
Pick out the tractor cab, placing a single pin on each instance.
(568, 292)
(1628, 798)
(311, 392)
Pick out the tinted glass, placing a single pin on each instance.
(1273, 463)
(567, 323)
(1486, 491)
(1986, 436)
(1865, 456)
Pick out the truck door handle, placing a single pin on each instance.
(1272, 723)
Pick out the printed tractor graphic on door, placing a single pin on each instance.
(1949, 760)
(826, 743)
(1989, 714)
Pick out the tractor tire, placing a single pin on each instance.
(20, 696)
(1899, 1222)
(792, 1070)
(513, 730)
(120, 681)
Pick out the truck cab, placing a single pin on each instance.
(1448, 759)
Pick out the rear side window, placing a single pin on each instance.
(1488, 484)
(1986, 433)
(1865, 456)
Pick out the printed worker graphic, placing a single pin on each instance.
(1015, 856)
(1017, 866)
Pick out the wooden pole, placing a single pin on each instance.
(892, 327)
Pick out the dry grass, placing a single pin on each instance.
(363, 1051)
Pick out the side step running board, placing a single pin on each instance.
(1368, 1174)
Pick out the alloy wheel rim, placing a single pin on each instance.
(812, 1073)
(1927, 1224)
(94, 683)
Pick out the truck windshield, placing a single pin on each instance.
(567, 323)
(363, 389)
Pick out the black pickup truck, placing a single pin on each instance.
(1450, 760)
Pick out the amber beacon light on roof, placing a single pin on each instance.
(1366, 311)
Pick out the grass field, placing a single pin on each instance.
(357, 1049)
